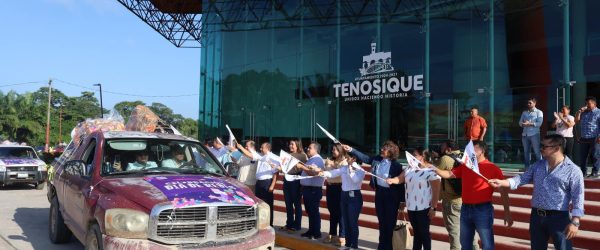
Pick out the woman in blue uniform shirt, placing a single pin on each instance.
(387, 197)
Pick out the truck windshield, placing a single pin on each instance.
(8, 152)
(153, 156)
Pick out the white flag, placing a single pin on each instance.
(412, 161)
(289, 177)
(287, 161)
(328, 134)
(231, 137)
(471, 159)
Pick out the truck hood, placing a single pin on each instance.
(179, 190)
(17, 161)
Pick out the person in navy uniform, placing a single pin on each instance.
(387, 197)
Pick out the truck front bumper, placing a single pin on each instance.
(263, 240)
(10, 177)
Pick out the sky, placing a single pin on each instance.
(84, 42)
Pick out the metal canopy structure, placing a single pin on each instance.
(184, 22)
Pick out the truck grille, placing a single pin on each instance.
(23, 168)
(181, 231)
(202, 224)
(234, 228)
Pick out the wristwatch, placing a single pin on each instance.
(575, 223)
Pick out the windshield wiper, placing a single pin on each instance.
(202, 171)
(158, 171)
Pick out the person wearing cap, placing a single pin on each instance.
(177, 160)
(141, 162)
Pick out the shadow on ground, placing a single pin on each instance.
(34, 223)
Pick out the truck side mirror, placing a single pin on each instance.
(232, 168)
(76, 167)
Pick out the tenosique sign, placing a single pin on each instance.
(378, 80)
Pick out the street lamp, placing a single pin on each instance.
(101, 107)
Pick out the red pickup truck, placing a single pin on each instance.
(136, 190)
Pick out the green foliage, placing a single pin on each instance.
(23, 116)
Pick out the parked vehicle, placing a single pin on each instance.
(21, 164)
(138, 190)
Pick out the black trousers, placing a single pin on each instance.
(262, 192)
(334, 192)
(420, 222)
(387, 202)
(292, 193)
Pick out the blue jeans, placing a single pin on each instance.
(351, 205)
(334, 194)
(541, 228)
(312, 196)
(293, 205)
(420, 222)
(478, 218)
(530, 142)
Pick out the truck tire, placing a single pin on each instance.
(58, 231)
(93, 239)
(40, 185)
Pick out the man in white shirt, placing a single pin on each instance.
(266, 174)
(247, 163)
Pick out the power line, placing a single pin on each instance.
(23, 83)
(122, 93)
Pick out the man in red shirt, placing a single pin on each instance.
(477, 212)
(475, 126)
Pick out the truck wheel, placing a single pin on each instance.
(40, 186)
(93, 240)
(58, 231)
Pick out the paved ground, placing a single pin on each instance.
(24, 220)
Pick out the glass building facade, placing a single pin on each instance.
(407, 71)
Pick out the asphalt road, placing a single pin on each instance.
(24, 220)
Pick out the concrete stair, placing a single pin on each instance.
(516, 237)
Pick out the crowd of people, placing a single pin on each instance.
(442, 176)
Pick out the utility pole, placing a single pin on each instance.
(60, 123)
(46, 147)
(101, 107)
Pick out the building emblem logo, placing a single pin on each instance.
(376, 62)
(378, 80)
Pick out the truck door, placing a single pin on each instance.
(77, 188)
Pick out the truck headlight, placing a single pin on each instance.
(42, 167)
(264, 215)
(2, 168)
(126, 223)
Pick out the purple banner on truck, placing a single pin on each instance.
(185, 191)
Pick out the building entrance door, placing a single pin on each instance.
(453, 123)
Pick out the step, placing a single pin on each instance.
(438, 232)
(521, 214)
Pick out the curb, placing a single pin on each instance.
(5, 244)
(291, 242)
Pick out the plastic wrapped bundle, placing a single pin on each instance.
(142, 119)
(114, 122)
